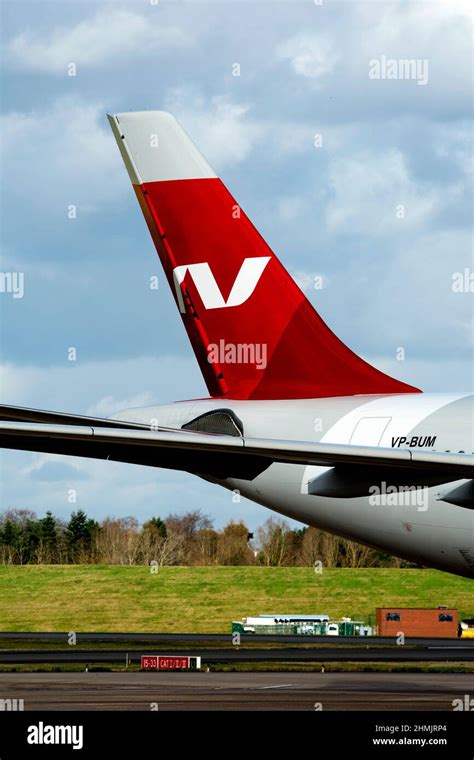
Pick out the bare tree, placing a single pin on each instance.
(206, 547)
(357, 555)
(311, 548)
(273, 539)
(185, 529)
(118, 542)
(232, 546)
(158, 547)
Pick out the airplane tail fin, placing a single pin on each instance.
(253, 331)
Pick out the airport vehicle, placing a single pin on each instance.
(295, 420)
(300, 625)
(466, 628)
(287, 624)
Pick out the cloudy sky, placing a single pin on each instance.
(364, 181)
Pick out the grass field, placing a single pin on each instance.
(206, 599)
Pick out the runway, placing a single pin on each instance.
(193, 638)
(239, 654)
(236, 691)
(89, 648)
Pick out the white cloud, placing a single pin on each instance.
(111, 35)
(412, 25)
(110, 488)
(429, 375)
(290, 207)
(224, 131)
(439, 32)
(109, 405)
(425, 268)
(102, 387)
(48, 468)
(63, 154)
(106, 488)
(311, 56)
(228, 132)
(308, 282)
(374, 193)
(402, 297)
(455, 146)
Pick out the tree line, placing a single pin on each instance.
(179, 539)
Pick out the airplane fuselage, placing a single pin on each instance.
(414, 523)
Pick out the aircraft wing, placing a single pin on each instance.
(24, 414)
(220, 456)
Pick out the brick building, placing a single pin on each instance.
(413, 621)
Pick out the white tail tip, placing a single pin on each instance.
(155, 148)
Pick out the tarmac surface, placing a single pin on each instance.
(236, 691)
(159, 638)
(363, 653)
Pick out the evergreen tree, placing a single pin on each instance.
(49, 536)
(80, 533)
(157, 525)
(9, 534)
(28, 541)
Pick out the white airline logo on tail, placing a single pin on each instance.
(205, 282)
